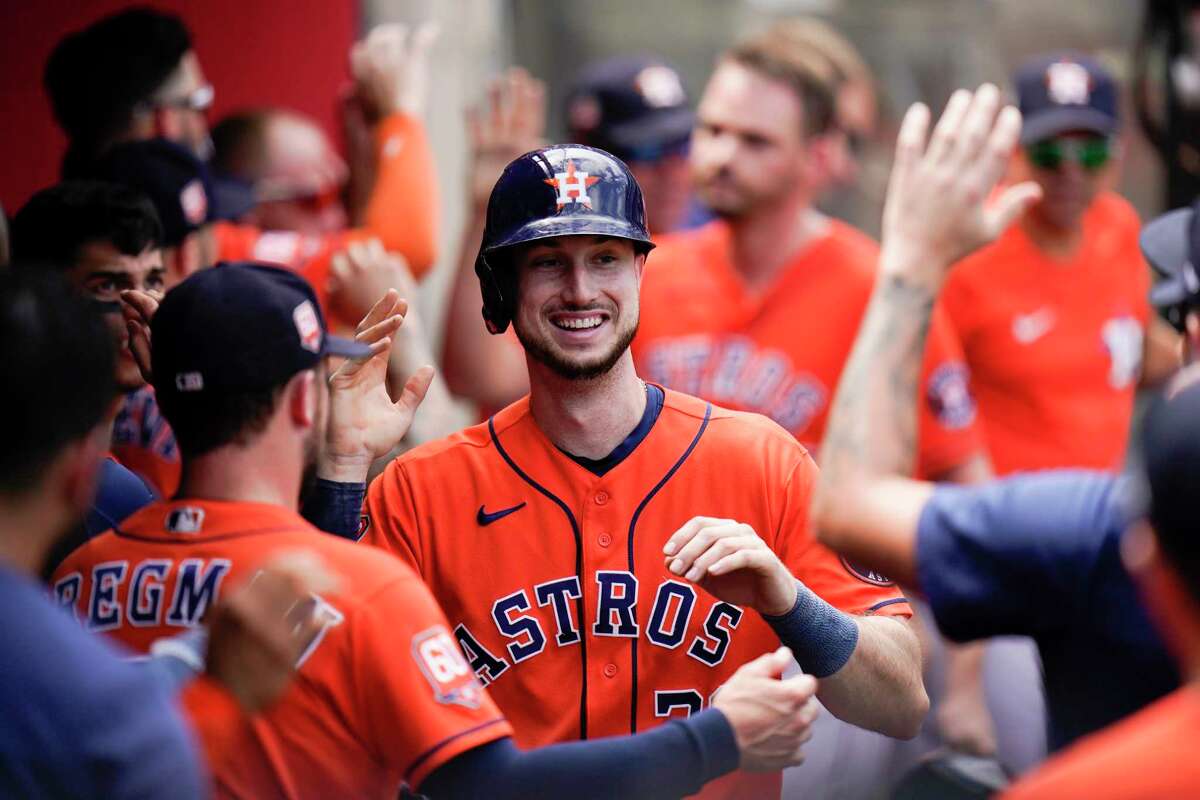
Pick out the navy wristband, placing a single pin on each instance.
(336, 507)
(820, 637)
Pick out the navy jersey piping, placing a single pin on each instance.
(579, 606)
(632, 527)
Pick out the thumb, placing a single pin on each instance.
(416, 387)
(769, 665)
(1012, 203)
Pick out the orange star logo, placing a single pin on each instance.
(572, 186)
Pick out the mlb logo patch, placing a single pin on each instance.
(194, 202)
(185, 519)
(308, 326)
(443, 665)
(1068, 83)
(572, 186)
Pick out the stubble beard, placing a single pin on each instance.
(544, 352)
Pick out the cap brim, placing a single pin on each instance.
(663, 127)
(1164, 243)
(572, 225)
(1052, 122)
(346, 348)
(232, 199)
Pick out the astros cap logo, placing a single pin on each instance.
(1068, 83)
(572, 186)
(308, 326)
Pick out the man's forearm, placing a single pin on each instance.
(873, 422)
(880, 687)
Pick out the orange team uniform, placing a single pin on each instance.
(554, 577)
(402, 213)
(382, 694)
(1148, 756)
(1055, 347)
(780, 353)
(144, 443)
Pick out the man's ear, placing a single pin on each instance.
(1191, 324)
(301, 398)
(639, 264)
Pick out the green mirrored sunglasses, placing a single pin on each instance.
(1091, 153)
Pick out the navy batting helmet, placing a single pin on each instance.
(561, 190)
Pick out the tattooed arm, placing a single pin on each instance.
(864, 505)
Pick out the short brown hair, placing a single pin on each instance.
(809, 74)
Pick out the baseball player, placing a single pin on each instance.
(1035, 554)
(383, 693)
(1053, 316)
(757, 310)
(612, 550)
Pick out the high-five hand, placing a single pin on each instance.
(940, 203)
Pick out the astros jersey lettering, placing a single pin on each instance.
(144, 443)
(1055, 347)
(382, 693)
(554, 579)
(780, 353)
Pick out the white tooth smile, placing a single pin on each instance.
(577, 324)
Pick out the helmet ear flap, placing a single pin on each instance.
(497, 302)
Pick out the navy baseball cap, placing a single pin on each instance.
(183, 191)
(1171, 243)
(240, 326)
(635, 107)
(1066, 92)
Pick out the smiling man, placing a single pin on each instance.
(613, 551)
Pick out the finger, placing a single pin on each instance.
(720, 550)
(749, 557)
(689, 529)
(140, 302)
(976, 127)
(910, 143)
(1000, 146)
(422, 40)
(700, 543)
(384, 307)
(380, 330)
(768, 665)
(415, 388)
(948, 127)
(139, 346)
(1012, 203)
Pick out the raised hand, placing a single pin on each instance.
(360, 274)
(364, 423)
(391, 69)
(940, 204)
(729, 561)
(771, 716)
(509, 123)
(138, 307)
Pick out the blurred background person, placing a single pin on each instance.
(636, 107)
(1054, 316)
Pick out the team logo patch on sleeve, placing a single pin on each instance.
(444, 666)
(867, 575)
(949, 395)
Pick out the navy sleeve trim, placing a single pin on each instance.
(431, 752)
(893, 601)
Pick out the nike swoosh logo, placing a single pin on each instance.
(1028, 328)
(487, 518)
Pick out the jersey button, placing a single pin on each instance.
(604, 539)
(601, 498)
(610, 670)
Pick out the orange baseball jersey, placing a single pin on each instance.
(1055, 347)
(382, 694)
(554, 576)
(401, 212)
(144, 443)
(780, 353)
(1148, 756)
